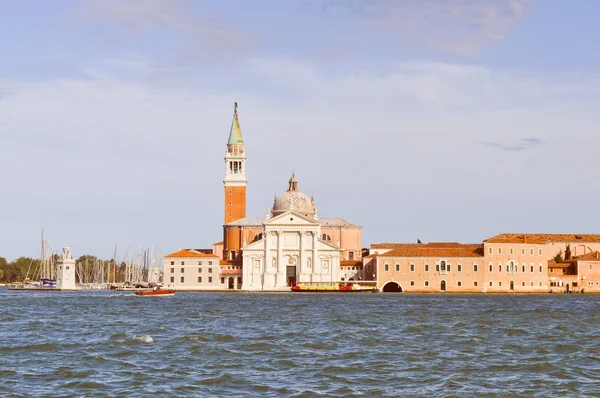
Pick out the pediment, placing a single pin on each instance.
(291, 218)
(322, 245)
(258, 245)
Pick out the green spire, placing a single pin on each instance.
(235, 135)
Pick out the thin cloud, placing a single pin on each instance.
(458, 27)
(201, 37)
(521, 145)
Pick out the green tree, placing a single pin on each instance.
(559, 257)
(568, 252)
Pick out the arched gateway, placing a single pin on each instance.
(392, 287)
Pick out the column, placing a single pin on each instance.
(316, 272)
(280, 282)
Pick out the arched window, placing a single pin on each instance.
(326, 238)
(443, 266)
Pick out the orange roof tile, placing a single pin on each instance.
(538, 239)
(350, 263)
(218, 243)
(445, 249)
(189, 253)
(592, 256)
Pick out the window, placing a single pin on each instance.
(222, 280)
(412, 283)
(397, 267)
(523, 268)
(540, 252)
(182, 279)
(172, 270)
(511, 251)
(475, 283)
(540, 284)
(210, 279)
(437, 267)
(448, 267)
(459, 267)
(531, 283)
(523, 251)
(474, 267)
(230, 203)
(232, 254)
(499, 250)
(183, 263)
(172, 262)
(426, 267)
(459, 283)
(182, 270)
(351, 255)
(426, 283)
(199, 270)
(412, 267)
(443, 266)
(531, 269)
(540, 268)
(499, 267)
(67, 267)
(490, 251)
(531, 251)
(210, 263)
(172, 279)
(386, 267)
(491, 269)
(523, 284)
(199, 279)
(490, 283)
(210, 270)
(199, 262)
(326, 237)
(499, 283)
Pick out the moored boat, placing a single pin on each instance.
(157, 292)
(335, 287)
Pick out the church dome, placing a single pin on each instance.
(293, 200)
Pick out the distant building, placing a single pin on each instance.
(65, 270)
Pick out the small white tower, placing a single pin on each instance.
(65, 271)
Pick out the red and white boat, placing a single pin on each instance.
(157, 292)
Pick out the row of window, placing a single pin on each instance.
(512, 251)
(210, 279)
(515, 268)
(199, 270)
(199, 262)
(444, 267)
(439, 267)
(475, 284)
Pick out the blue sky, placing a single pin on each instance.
(439, 120)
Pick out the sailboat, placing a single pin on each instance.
(45, 278)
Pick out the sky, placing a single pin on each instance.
(438, 120)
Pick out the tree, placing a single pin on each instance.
(568, 252)
(559, 257)
(419, 241)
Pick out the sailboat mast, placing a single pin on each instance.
(43, 260)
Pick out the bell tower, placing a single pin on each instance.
(235, 173)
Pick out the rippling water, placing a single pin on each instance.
(300, 345)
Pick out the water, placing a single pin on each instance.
(299, 345)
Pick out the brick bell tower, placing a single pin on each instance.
(235, 173)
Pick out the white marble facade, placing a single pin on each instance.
(289, 251)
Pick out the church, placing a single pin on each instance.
(288, 245)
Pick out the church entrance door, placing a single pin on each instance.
(291, 275)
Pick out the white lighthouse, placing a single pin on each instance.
(65, 271)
